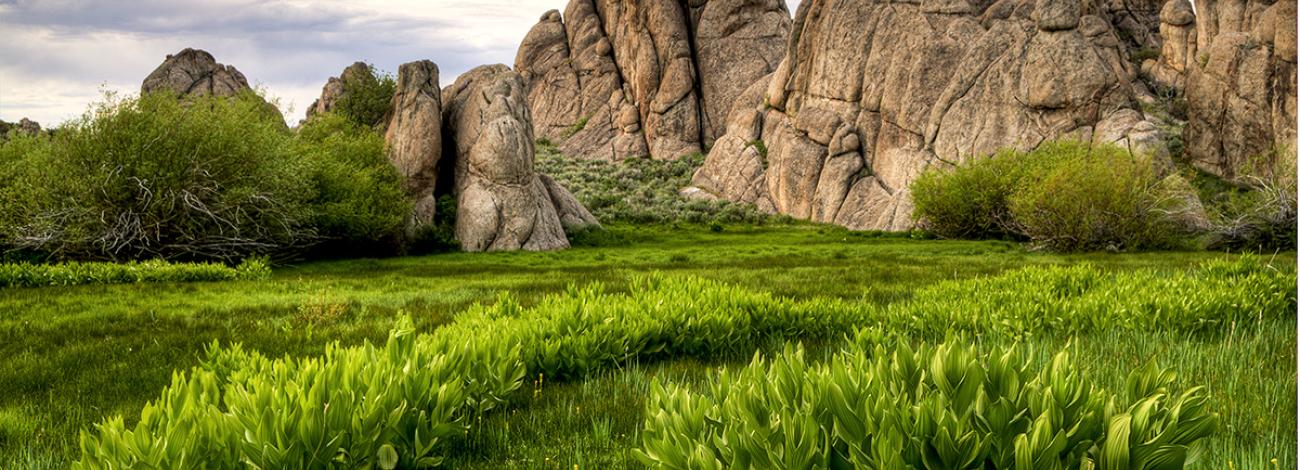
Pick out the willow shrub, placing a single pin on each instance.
(153, 177)
(207, 178)
(949, 406)
(356, 195)
(1062, 196)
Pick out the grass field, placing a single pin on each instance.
(71, 356)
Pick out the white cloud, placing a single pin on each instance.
(58, 54)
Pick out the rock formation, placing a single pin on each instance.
(870, 93)
(28, 126)
(23, 126)
(335, 88)
(502, 203)
(1178, 45)
(194, 72)
(414, 134)
(613, 79)
(1241, 89)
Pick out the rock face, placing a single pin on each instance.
(414, 135)
(1241, 90)
(502, 203)
(28, 126)
(614, 79)
(1178, 45)
(335, 88)
(194, 72)
(573, 215)
(736, 42)
(870, 93)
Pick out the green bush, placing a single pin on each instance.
(1062, 196)
(970, 201)
(357, 197)
(932, 407)
(642, 190)
(366, 98)
(1095, 198)
(74, 273)
(156, 178)
(205, 179)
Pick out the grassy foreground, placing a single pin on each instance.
(70, 356)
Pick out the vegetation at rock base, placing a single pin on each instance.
(1063, 196)
(208, 179)
(642, 190)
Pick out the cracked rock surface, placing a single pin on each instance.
(612, 79)
(871, 93)
(502, 203)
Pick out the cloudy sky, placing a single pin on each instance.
(58, 56)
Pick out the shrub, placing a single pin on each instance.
(205, 179)
(67, 274)
(1263, 217)
(1063, 196)
(932, 407)
(358, 198)
(367, 97)
(156, 178)
(970, 201)
(1095, 198)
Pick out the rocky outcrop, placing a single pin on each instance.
(502, 203)
(870, 93)
(735, 42)
(194, 72)
(28, 126)
(612, 79)
(336, 87)
(1178, 45)
(1241, 90)
(414, 136)
(573, 215)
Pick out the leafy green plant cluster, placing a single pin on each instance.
(366, 97)
(490, 348)
(73, 273)
(363, 407)
(589, 329)
(1083, 298)
(641, 190)
(205, 179)
(929, 407)
(1062, 196)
